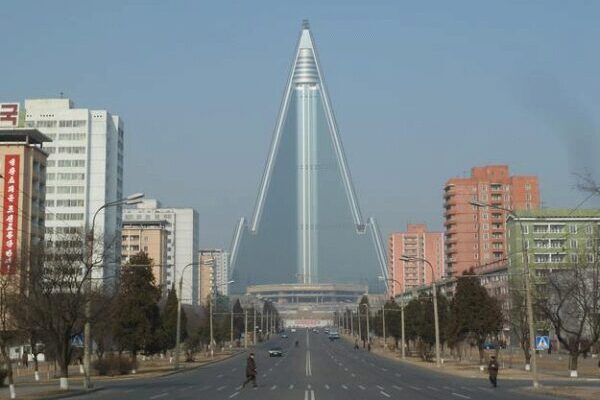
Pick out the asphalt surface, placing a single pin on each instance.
(317, 370)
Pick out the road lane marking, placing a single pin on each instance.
(273, 387)
(396, 387)
(308, 366)
(221, 388)
(327, 386)
(309, 386)
(361, 387)
(460, 395)
(414, 387)
(379, 387)
(159, 396)
(291, 386)
(220, 376)
(233, 395)
(433, 388)
(264, 375)
(312, 395)
(385, 394)
(344, 386)
(353, 375)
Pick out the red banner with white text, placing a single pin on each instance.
(10, 214)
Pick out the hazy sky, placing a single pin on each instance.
(422, 92)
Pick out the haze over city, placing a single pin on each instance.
(422, 92)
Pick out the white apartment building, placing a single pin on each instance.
(182, 243)
(84, 172)
(221, 268)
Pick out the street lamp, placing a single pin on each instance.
(529, 301)
(178, 337)
(87, 327)
(367, 308)
(401, 315)
(435, 307)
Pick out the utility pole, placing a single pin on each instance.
(352, 323)
(254, 326)
(210, 306)
(231, 327)
(383, 323)
(245, 328)
(402, 329)
(262, 330)
(359, 328)
(368, 330)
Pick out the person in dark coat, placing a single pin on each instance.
(250, 371)
(493, 370)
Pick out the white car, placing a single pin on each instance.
(293, 330)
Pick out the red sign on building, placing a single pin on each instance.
(10, 215)
(9, 114)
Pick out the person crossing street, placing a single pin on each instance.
(250, 371)
(493, 371)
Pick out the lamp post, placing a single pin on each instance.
(358, 319)
(401, 314)
(529, 301)
(383, 323)
(178, 337)
(87, 328)
(435, 307)
(368, 330)
(351, 322)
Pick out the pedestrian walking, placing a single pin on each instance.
(493, 371)
(250, 371)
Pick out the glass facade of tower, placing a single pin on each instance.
(307, 226)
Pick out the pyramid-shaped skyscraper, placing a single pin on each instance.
(307, 226)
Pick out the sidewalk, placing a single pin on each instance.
(27, 388)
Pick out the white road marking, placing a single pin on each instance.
(346, 369)
(345, 387)
(291, 386)
(396, 387)
(270, 369)
(159, 395)
(233, 369)
(353, 374)
(273, 387)
(361, 387)
(220, 376)
(433, 388)
(264, 375)
(379, 387)
(308, 366)
(414, 387)
(385, 394)
(221, 388)
(233, 395)
(309, 386)
(327, 386)
(460, 395)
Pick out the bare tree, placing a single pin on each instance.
(519, 321)
(9, 287)
(572, 304)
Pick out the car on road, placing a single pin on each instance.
(284, 336)
(333, 335)
(275, 352)
(315, 330)
(293, 330)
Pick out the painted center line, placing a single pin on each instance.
(345, 387)
(327, 386)
(414, 387)
(221, 388)
(220, 376)
(291, 386)
(361, 387)
(353, 375)
(379, 387)
(385, 394)
(159, 396)
(396, 387)
(233, 395)
(273, 387)
(460, 395)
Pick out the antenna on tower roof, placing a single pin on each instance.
(305, 24)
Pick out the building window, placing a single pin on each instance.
(590, 258)
(573, 243)
(589, 229)
(573, 228)
(542, 258)
(574, 258)
(72, 150)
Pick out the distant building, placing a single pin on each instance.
(182, 243)
(221, 268)
(554, 238)
(415, 242)
(476, 235)
(208, 262)
(23, 190)
(85, 171)
(149, 237)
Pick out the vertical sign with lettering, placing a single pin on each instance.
(10, 215)
(9, 114)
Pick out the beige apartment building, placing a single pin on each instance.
(23, 193)
(207, 260)
(151, 238)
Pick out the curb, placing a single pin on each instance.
(78, 392)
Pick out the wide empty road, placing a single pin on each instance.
(317, 370)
